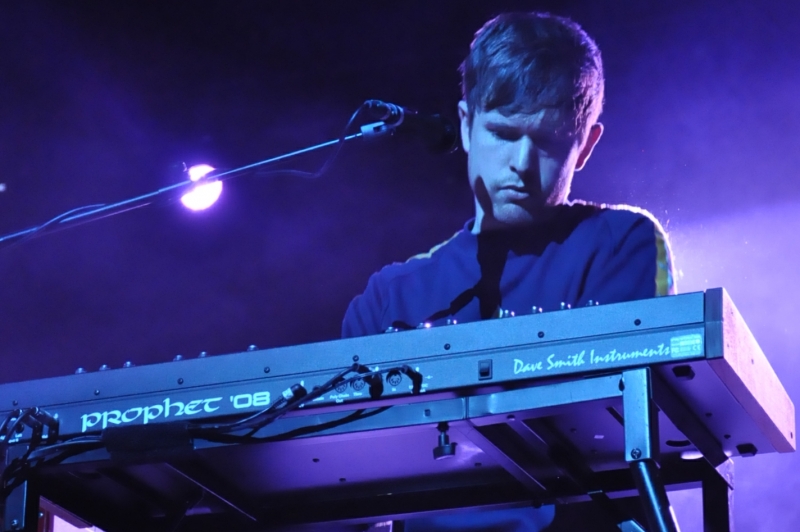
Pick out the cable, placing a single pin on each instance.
(245, 423)
(87, 443)
(42, 450)
(28, 234)
(339, 143)
(6, 432)
(300, 431)
(342, 138)
(20, 468)
(311, 429)
(293, 401)
(44, 429)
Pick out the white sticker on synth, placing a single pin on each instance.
(686, 346)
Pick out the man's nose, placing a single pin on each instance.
(523, 156)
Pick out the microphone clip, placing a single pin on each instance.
(435, 131)
(388, 115)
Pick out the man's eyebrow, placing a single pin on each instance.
(501, 125)
(502, 122)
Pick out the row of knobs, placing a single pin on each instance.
(501, 313)
(178, 358)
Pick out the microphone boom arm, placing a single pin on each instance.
(96, 212)
(438, 133)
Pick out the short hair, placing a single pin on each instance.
(525, 62)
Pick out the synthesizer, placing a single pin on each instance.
(588, 405)
(699, 334)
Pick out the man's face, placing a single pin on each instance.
(520, 164)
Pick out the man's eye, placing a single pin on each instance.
(555, 147)
(547, 147)
(505, 134)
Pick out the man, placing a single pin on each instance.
(533, 89)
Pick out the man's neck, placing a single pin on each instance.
(489, 224)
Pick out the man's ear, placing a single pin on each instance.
(595, 132)
(463, 116)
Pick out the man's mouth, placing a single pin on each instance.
(512, 193)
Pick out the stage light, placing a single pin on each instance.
(199, 171)
(204, 194)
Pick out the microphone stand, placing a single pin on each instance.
(96, 212)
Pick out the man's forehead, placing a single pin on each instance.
(551, 119)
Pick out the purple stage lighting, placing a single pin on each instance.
(202, 195)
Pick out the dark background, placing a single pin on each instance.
(101, 101)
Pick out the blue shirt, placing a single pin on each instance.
(584, 253)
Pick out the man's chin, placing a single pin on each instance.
(516, 215)
(512, 215)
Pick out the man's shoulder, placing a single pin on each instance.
(416, 264)
(618, 219)
(635, 232)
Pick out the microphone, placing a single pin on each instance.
(437, 133)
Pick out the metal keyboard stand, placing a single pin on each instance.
(511, 426)
(21, 512)
(643, 395)
(641, 448)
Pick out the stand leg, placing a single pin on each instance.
(718, 499)
(641, 448)
(630, 526)
(654, 496)
(21, 512)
